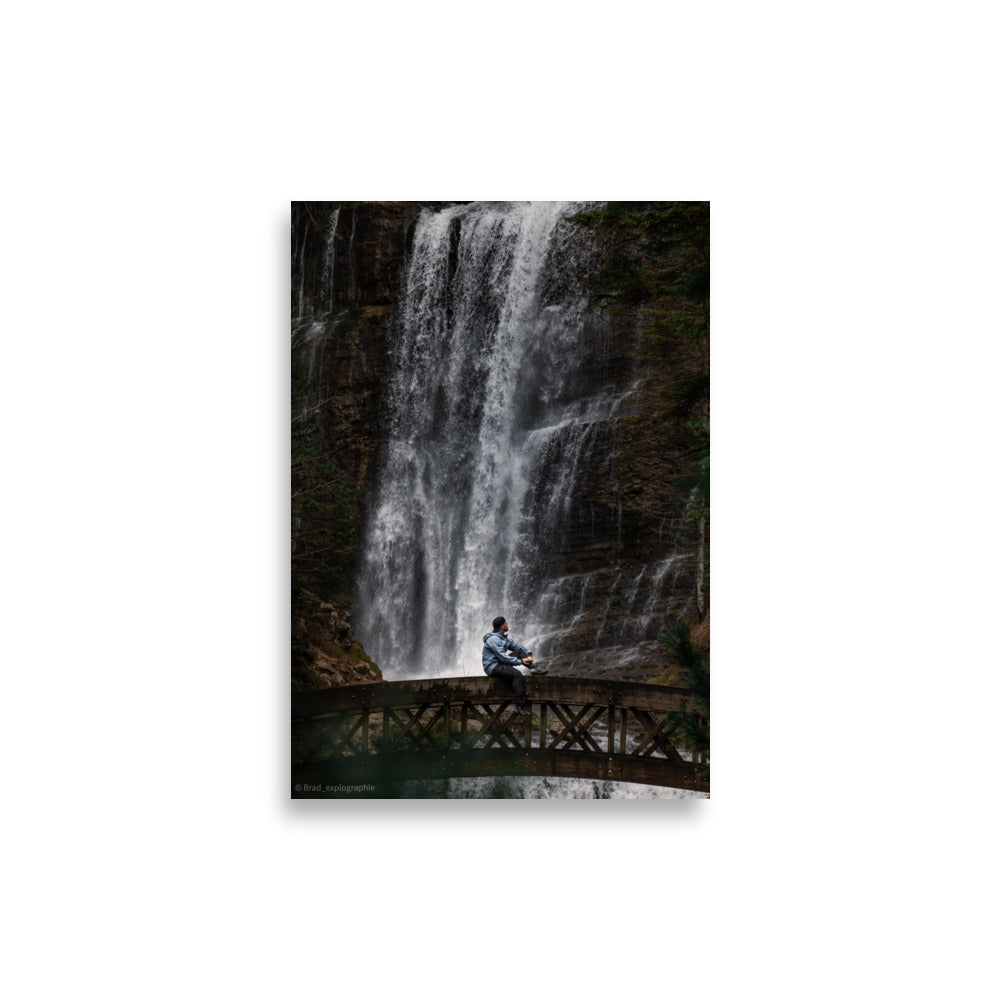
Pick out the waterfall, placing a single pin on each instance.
(302, 277)
(496, 403)
(330, 258)
(487, 429)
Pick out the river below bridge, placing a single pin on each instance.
(539, 788)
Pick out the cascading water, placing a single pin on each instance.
(489, 422)
(495, 402)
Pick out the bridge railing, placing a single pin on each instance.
(371, 735)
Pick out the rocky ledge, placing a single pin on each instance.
(325, 652)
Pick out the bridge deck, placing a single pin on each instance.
(352, 740)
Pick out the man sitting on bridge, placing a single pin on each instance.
(497, 661)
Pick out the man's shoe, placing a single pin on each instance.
(539, 670)
(521, 710)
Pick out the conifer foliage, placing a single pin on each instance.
(691, 726)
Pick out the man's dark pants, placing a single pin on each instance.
(512, 674)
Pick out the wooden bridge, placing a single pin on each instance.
(360, 741)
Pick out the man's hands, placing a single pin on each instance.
(528, 660)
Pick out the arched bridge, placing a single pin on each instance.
(359, 741)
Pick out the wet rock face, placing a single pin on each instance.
(626, 569)
(347, 266)
(349, 253)
(340, 358)
(343, 284)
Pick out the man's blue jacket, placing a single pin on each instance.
(495, 646)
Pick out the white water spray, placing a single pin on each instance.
(488, 428)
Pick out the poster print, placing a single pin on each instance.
(500, 499)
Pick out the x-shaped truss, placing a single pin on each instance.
(496, 727)
(575, 727)
(655, 735)
(408, 732)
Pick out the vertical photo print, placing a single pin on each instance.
(500, 517)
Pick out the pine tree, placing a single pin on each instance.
(691, 725)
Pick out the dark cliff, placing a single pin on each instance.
(347, 261)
